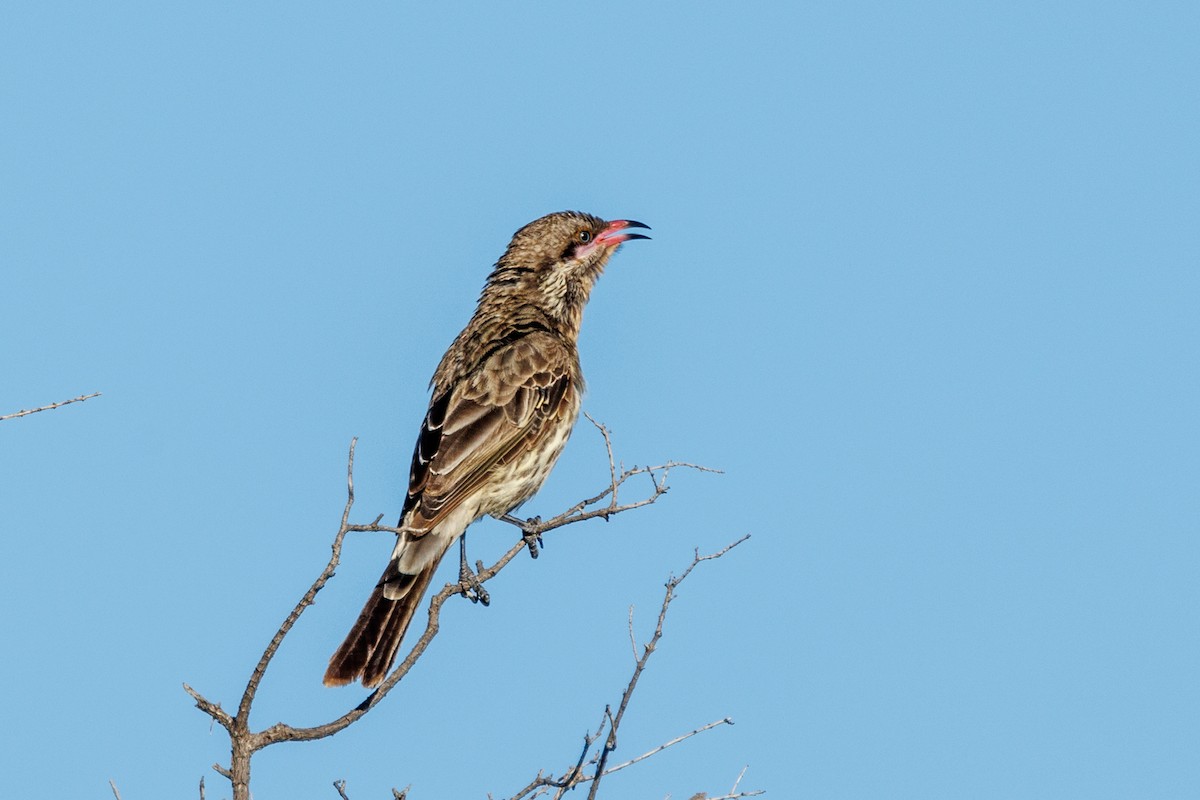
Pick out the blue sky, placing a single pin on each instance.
(923, 283)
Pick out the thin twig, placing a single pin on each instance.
(51, 407)
(632, 638)
(665, 745)
(612, 466)
(214, 710)
(739, 778)
(340, 785)
(113, 786)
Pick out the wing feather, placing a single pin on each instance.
(498, 412)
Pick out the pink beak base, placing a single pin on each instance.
(614, 232)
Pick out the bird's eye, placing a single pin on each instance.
(584, 237)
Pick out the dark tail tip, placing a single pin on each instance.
(370, 648)
(336, 675)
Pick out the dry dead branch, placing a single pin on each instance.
(592, 767)
(245, 742)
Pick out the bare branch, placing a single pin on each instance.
(665, 745)
(113, 786)
(612, 466)
(647, 651)
(340, 785)
(374, 527)
(283, 732)
(307, 600)
(214, 710)
(51, 407)
(575, 776)
(244, 742)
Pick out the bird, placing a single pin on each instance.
(503, 402)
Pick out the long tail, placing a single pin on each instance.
(370, 648)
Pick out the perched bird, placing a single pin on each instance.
(505, 398)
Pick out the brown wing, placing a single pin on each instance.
(498, 411)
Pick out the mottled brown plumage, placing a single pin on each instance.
(505, 398)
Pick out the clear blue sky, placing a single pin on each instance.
(923, 283)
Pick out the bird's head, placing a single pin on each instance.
(554, 261)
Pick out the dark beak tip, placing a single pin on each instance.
(633, 223)
(630, 236)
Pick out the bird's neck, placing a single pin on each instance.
(554, 305)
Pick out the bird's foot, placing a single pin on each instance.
(533, 541)
(529, 532)
(469, 585)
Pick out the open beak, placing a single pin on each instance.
(614, 233)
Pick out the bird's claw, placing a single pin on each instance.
(470, 587)
(532, 539)
(529, 532)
